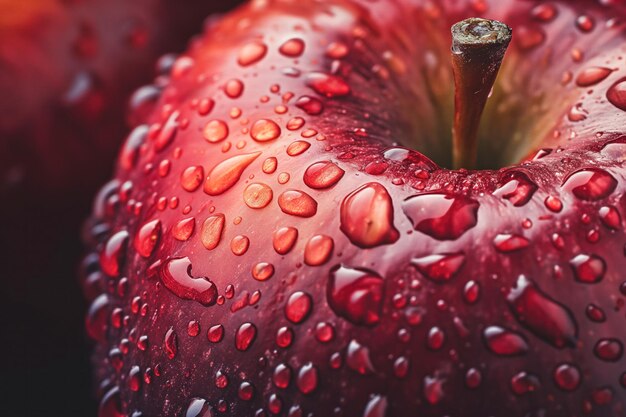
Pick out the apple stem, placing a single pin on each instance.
(478, 47)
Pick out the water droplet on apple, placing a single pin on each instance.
(366, 216)
(439, 267)
(246, 333)
(507, 242)
(310, 105)
(321, 175)
(504, 342)
(292, 48)
(327, 85)
(297, 203)
(616, 94)
(265, 130)
(547, 319)
(183, 230)
(517, 188)
(171, 343)
(441, 216)
(212, 229)
(567, 377)
(257, 195)
(199, 407)
(252, 53)
(356, 295)
(147, 237)
(318, 250)
(588, 269)
(609, 349)
(113, 255)
(262, 271)
(215, 334)
(284, 239)
(376, 407)
(307, 378)
(523, 383)
(298, 307)
(358, 358)
(215, 131)
(298, 147)
(592, 76)
(239, 245)
(227, 173)
(176, 277)
(590, 184)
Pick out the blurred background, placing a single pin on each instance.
(67, 72)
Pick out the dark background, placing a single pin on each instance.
(44, 352)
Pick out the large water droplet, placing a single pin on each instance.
(284, 239)
(439, 267)
(356, 294)
(366, 216)
(176, 277)
(590, 184)
(517, 188)
(227, 173)
(441, 216)
(543, 316)
(297, 203)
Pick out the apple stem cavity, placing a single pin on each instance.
(478, 47)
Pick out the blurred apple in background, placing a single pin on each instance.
(67, 69)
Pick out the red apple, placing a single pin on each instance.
(277, 239)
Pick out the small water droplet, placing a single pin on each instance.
(592, 76)
(609, 349)
(265, 130)
(191, 178)
(147, 238)
(506, 242)
(215, 131)
(567, 377)
(113, 255)
(504, 342)
(257, 195)
(252, 53)
(292, 48)
(313, 106)
(298, 307)
(327, 85)
(246, 333)
(262, 271)
(171, 343)
(318, 250)
(212, 229)
(588, 269)
(307, 378)
(358, 358)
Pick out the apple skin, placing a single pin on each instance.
(408, 289)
